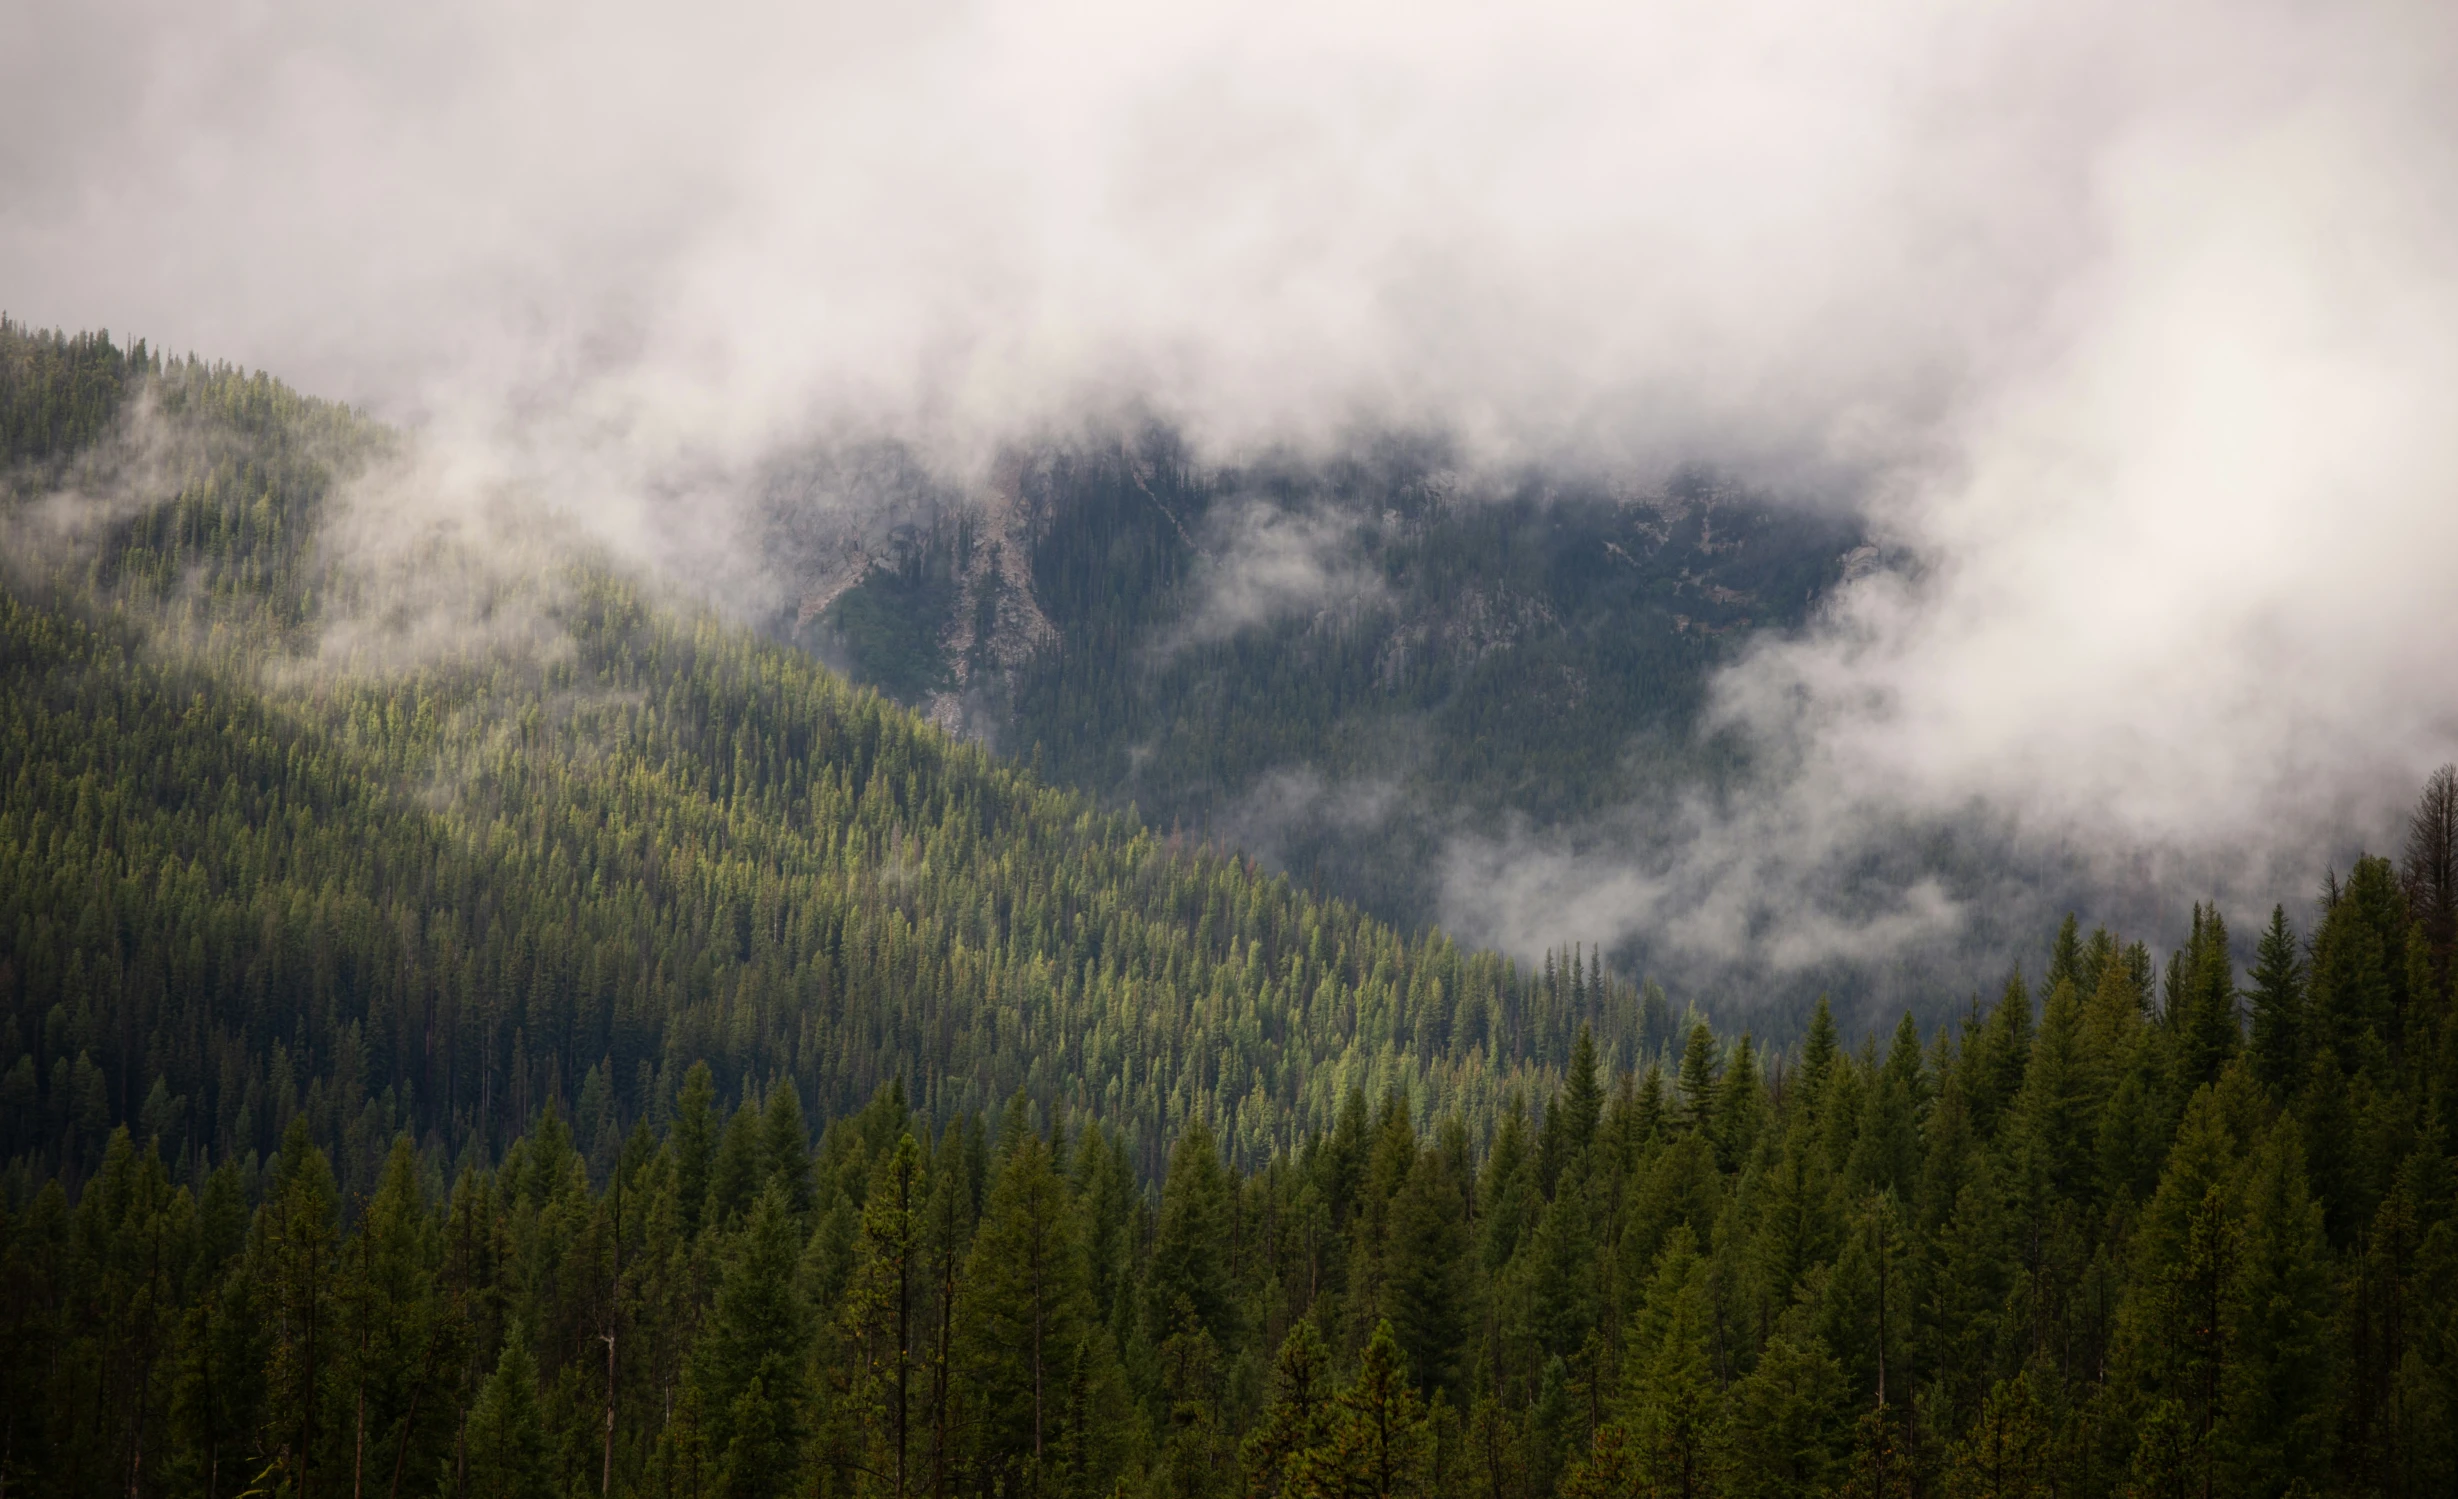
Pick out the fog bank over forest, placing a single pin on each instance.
(2127, 337)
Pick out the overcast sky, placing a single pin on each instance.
(2137, 324)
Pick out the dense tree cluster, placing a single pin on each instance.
(434, 899)
(651, 1066)
(218, 910)
(61, 392)
(2100, 1244)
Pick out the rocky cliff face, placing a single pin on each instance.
(1334, 664)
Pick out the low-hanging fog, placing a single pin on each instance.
(2131, 330)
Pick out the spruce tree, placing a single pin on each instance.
(1570, 1124)
(296, 1262)
(2177, 1322)
(505, 1442)
(1740, 1107)
(694, 1143)
(1791, 1428)
(2202, 1001)
(785, 1146)
(1561, 1271)
(1428, 1272)
(1886, 1152)
(1189, 1267)
(2010, 1450)
(878, 1318)
(1995, 1057)
(2275, 1406)
(1028, 1312)
(1819, 1048)
(1379, 1440)
(2429, 871)
(1297, 1421)
(2055, 1117)
(399, 1332)
(2278, 1006)
(2065, 959)
(1670, 1399)
(1509, 1194)
(748, 1364)
(734, 1176)
(1701, 1068)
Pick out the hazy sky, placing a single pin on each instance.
(2137, 324)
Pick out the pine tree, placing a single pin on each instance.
(694, 1142)
(2065, 960)
(735, 1174)
(1189, 1268)
(2057, 1112)
(785, 1147)
(748, 1365)
(296, 1253)
(1028, 1313)
(1379, 1441)
(2278, 1007)
(1655, 1019)
(1700, 1071)
(1996, 1057)
(1427, 1275)
(1819, 1048)
(1571, 1123)
(2180, 1321)
(2010, 1450)
(1886, 1153)
(398, 1333)
(505, 1443)
(2275, 1405)
(1509, 1196)
(1740, 1107)
(878, 1315)
(1609, 1469)
(1790, 1426)
(2202, 1001)
(1671, 1400)
(1561, 1268)
(1297, 1422)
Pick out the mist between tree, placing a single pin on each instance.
(2129, 340)
(371, 1018)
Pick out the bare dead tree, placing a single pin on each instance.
(2431, 868)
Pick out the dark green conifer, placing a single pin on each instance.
(1428, 1272)
(1570, 1124)
(504, 1445)
(1701, 1069)
(748, 1363)
(1791, 1428)
(1297, 1422)
(734, 1176)
(2278, 1006)
(785, 1146)
(1189, 1268)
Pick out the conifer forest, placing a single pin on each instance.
(616, 1055)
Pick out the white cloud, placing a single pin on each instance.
(2136, 324)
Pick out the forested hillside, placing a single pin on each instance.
(433, 899)
(614, 1055)
(2102, 1244)
(1341, 662)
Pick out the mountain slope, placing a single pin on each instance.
(241, 885)
(1337, 665)
(405, 1059)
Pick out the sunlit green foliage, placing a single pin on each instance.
(656, 1068)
